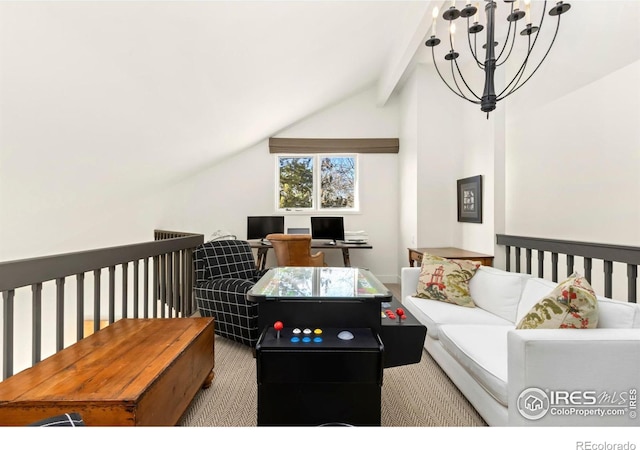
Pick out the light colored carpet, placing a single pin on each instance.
(416, 395)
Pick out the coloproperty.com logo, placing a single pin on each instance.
(535, 403)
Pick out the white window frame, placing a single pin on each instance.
(315, 208)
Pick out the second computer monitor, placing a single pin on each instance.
(327, 228)
(258, 227)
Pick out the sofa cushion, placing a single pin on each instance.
(482, 351)
(497, 291)
(571, 304)
(433, 314)
(617, 314)
(446, 280)
(534, 290)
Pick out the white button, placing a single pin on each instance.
(307, 331)
(296, 331)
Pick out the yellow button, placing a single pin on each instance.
(317, 331)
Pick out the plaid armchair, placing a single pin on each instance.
(225, 270)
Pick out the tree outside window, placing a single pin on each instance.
(320, 182)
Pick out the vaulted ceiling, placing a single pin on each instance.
(212, 77)
(185, 83)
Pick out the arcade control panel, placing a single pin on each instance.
(280, 336)
(403, 335)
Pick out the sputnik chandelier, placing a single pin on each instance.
(489, 98)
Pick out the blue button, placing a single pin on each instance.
(295, 339)
(317, 339)
(306, 339)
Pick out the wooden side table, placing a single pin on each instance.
(415, 255)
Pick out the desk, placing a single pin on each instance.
(415, 255)
(263, 249)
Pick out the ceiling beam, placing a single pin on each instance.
(401, 59)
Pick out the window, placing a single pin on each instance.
(317, 182)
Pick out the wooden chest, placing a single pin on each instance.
(133, 372)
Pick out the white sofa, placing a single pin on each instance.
(581, 373)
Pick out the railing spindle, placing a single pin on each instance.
(156, 281)
(112, 294)
(189, 282)
(554, 267)
(125, 290)
(528, 257)
(80, 306)
(96, 300)
(163, 284)
(507, 250)
(59, 314)
(540, 264)
(7, 336)
(588, 266)
(169, 304)
(176, 283)
(36, 323)
(136, 282)
(518, 259)
(608, 278)
(569, 265)
(145, 288)
(632, 280)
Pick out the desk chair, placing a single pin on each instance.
(295, 250)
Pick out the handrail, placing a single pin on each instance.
(19, 273)
(608, 253)
(161, 285)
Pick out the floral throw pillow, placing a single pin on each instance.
(572, 304)
(446, 280)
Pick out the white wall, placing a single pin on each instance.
(579, 179)
(223, 195)
(449, 139)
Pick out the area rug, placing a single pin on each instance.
(415, 395)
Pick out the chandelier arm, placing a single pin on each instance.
(518, 76)
(530, 48)
(474, 48)
(513, 41)
(539, 64)
(506, 40)
(462, 78)
(445, 82)
(544, 8)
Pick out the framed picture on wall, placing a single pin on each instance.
(470, 199)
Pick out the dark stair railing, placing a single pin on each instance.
(607, 253)
(161, 286)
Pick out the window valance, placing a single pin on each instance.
(355, 145)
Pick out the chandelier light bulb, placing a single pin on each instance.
(452, 30)
(435, 20)
(527, 10)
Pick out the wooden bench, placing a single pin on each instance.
(133, 372)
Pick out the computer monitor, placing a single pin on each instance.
(327, 228)
(258, 227)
